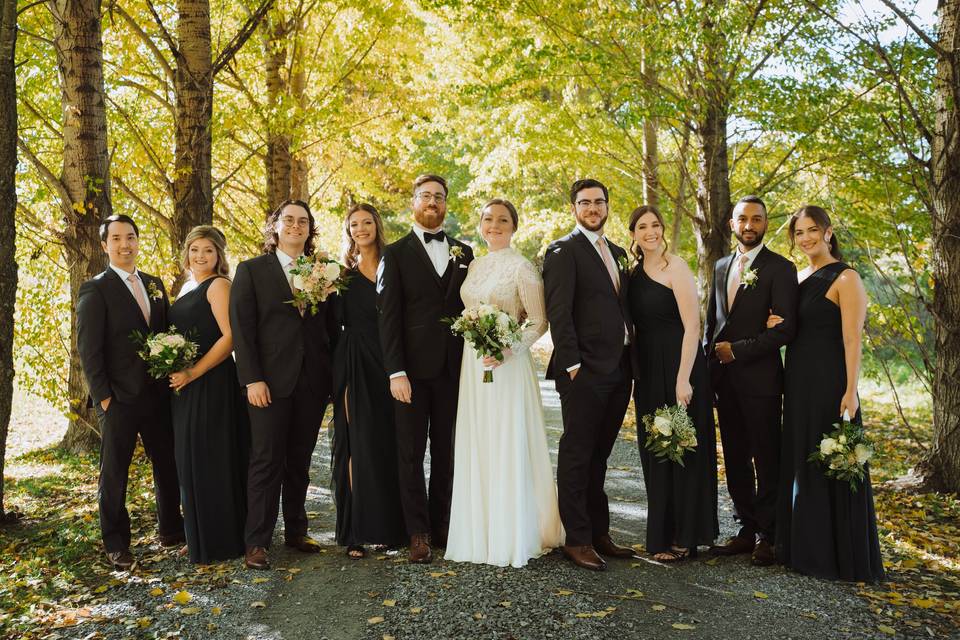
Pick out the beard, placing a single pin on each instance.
(429, 217)
(592, 226)
(757, 239)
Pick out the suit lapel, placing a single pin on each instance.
(155, 305)
(283, 284)
(454, 267)
(417, 247)
(722, 285)
(123, 296)
(595, 256)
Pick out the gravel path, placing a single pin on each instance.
(328, 596)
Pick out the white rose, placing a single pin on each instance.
(331, 271)
(842, 439)
(156, 349)
(863, 453)
(298, 282)
(662, 425)
(828, 446)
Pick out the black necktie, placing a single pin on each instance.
(438, 236)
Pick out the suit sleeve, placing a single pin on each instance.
(166, 305)
(710, 323)
(91, 330)
(390, 308)
(783, 302)
(559, 278)
(243, 324)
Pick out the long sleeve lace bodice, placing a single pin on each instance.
(510, 281)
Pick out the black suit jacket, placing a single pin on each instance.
(412, 299)
(107, 316)
(272, 342)
(757, 368)
(587, 316)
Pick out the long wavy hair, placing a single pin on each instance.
(351, 252)
(219, 241)
(634, 248)
(270, 238)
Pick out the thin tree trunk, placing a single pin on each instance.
(713, 192)
(8, 230)
(942, 468)
(277, 163)
(300, 169)
(680, 200)
(193, 83)
(651, 160)
(86, 178)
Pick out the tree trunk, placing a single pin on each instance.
(277, 163)
(300, 177)
(680, 200)
(651, 161)
(86, 178)
(713, 192)
(193, 83)
(942, 467)
(8, 209)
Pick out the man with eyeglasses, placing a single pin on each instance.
(418, 284)
(586, 296)
(283, 360)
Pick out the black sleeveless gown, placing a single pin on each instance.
(369, 512)
(211, 440)
(823, 528)
(681, 501)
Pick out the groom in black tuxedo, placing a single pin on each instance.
(586, 296)
(418, 284)
(110, 307)
(747, 373)
(283, 360)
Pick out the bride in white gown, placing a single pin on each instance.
(504, 506)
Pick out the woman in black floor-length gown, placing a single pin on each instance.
(824, 528)
(211, 432)
(365, 476)
(681, 500)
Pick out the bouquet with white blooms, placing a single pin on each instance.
(844, 452)
(670, 433)
(316, 278)
(166, 352)
(488, 330)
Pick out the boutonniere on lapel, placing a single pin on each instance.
(154, 291)
(456, 252)
(624, 264)
(749, 278)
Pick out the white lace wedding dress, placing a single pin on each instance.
(504, 506)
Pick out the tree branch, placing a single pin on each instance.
(145, 206)
(242, 36)
(930, 42)
(148, 41)
(52, 181)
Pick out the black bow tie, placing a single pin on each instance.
(438, 236)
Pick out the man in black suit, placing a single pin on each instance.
(110, 307)
(747, 373)
(586, 290)
(418, 284)
(283, 360)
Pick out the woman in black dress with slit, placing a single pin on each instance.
(365, 477)
(210, 427)
(824, 528)
(670, 368)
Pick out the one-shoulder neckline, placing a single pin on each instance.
(816, 273)
(647, 276)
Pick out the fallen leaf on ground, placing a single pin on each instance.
(182, 597)
(681, 625)
(659, 607)
(389, 603)
(760, 595)
(563, 592)
(260, 580)
(189, 611)
(885, 629)
(375, 620)
(259, 604)
(505, 604)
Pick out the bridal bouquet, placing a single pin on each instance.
(488, 330)
(166, 352)
(670, 433)
(844, 452)
(316, 278)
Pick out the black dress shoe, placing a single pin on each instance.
(121, 560)
(305, 544)
(763, 554)
(172, 539)
(607, 547)
(734, 546)
(584, 556)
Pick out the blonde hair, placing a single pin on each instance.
(215, 236)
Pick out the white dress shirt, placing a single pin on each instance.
(143, 287)
(751, 256)
(439, 252)
(286, 263)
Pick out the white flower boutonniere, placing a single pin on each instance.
(623, 263)
(154, 291)
(749, 278)
(456, 252)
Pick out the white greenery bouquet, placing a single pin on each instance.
(166, 352)
(670, 433)
(844, 452)
(489, 331)
(316, 278)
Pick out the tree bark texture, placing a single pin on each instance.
(86, 178)
(277, 162)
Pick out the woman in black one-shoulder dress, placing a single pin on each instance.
(670, 368)
(211, 432)
(365, 476)
(824, 528)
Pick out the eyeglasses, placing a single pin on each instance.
(600, 203)
(290, 221)
(439, 198)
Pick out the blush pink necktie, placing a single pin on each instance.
(734, 285)
(608, 261)
(138, 295)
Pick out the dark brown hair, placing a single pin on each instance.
(638, 213)
(351, 251)
(429, 177)
(270, 239)
(506, 204)
(219, 241)
(586, 183)
(119, 217)
(822, 218)
(751, 200)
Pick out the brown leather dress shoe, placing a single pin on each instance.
(734, 546)
(256, 558)
(305, 544)
(607, 547)
(172, 540)
(763, 554)
(420, 552)
(584, 556)
(121, 560)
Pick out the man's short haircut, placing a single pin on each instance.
(751, 200)
(117, 217)
(429, 177)
(586, 183)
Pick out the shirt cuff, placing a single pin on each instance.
(573, 368)
(398, 374)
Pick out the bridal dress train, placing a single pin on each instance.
(504, 507)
